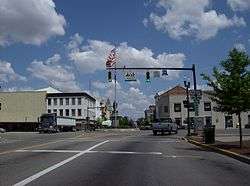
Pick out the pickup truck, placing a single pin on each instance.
(164, 125)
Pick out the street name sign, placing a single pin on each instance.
(130, 76)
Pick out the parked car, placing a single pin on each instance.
(2, 130)
(165, 125)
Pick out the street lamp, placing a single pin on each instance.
(187, 86)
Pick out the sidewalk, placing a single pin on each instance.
(225, 146)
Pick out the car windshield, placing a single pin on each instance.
(167, 120)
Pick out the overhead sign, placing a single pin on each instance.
(130, 76)
(156, 74)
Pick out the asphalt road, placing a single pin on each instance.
(113, 158)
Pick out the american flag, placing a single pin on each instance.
(111, 58)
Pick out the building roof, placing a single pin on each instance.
(49, 90)
(177, 90)
(70, 94)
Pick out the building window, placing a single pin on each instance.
(73, 112)
(207, 106)
(73, 101)
(49, 101)
(49, 111)
(79, 112)
(248, 119)
(54, 111)
(191, 107)
(61, 112)
(0, 106)
(55, 101)
(79, 100)
(67, 112)
(165, 108)
(67, 101)
(61, 101)
(177, 107)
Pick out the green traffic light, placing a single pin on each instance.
(147, 77)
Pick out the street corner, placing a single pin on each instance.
(218, 149)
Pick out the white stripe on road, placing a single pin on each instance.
(127, 152)
(75, 151)
(66, 151)
(39, 174)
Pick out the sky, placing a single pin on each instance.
(65, 44)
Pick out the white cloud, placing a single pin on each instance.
(191, 18)
(131, 102)
(239, 5)
(134, 83)
(8, 74)
(29, 21)
(105, 85)
(204, 87)
(51, 71)
(240, 47)
(91, 57)
(75, 42)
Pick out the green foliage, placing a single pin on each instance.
(231, 83)
(124, 122)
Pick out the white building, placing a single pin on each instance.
(70, 104)
(170, 105)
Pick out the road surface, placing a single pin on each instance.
(112, 158)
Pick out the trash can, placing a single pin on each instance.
(209, 134)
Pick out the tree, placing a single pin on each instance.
(231, 85)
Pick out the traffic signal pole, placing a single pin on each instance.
(157, 68)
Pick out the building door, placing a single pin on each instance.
(208, 120)
(228, 121)
(178, 122)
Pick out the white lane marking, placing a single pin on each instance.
(149, 141)
(53, 167)
(127, 152)
(66, 151)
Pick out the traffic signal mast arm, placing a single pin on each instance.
(157, 68)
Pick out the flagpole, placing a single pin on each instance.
(115, 96)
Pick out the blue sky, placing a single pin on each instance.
(65, 43)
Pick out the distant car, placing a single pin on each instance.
(145, 127)
(2, 130)
(164, 125)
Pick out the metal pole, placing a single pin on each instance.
(115, 97)
(88, 119)
(195, 95)
(188, 104)
(194, 78)
(187, 85)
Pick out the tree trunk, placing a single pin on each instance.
(240, 129)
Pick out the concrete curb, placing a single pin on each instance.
(221, 151)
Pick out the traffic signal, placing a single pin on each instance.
(109, 76)
(147, 77)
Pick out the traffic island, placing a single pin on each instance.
(230, 149)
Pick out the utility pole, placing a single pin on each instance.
(187, 86)
(115, 98)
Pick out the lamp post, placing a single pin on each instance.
(187, 86)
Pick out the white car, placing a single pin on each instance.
(2, 130)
